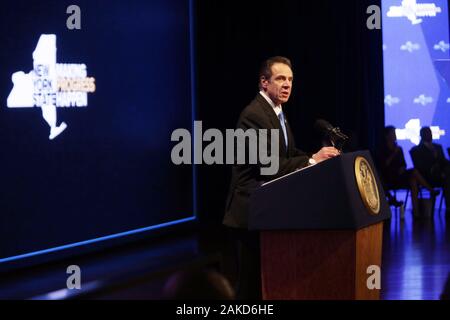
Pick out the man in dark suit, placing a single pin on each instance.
(429, 159)
(264, 112)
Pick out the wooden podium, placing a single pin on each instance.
(321, 230)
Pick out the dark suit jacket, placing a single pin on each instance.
(429, 163)
(259, 114)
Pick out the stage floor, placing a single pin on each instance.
(415, 264)
(416, 257)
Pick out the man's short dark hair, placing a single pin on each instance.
(266, 67)
(388, 130)
(424, 131)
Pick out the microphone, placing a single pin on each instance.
(334, 134)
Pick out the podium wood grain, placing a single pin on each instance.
(319, 264)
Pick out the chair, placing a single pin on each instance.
(434, 203)
(405, 202)
(414, 156)
(442, 199)
(403, 206)
(400, 189)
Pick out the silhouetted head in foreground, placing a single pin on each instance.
(198, 284)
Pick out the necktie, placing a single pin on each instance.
(283, 126)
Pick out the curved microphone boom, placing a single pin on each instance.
(334, 134)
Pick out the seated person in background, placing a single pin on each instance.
(394, 175)
(429, 159)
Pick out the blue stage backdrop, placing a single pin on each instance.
(416, 70)
(86, 117)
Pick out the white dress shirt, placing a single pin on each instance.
(277, 109)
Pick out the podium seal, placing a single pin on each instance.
(367, 185)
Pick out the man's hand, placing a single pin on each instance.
(325, 153)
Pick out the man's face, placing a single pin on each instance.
(427, 136)
(279, 86)
(391, 137)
